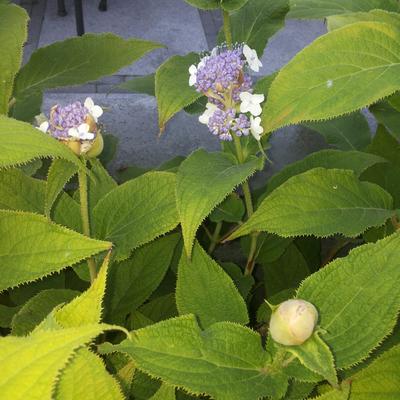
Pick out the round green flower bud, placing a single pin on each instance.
(293, 322)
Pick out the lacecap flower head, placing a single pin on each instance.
(223, 77)
(76, 126)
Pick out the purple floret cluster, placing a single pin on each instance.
(63, 118)
(222, 76)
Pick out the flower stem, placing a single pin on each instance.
(227, 28)
(215, 237)
(83, 197)
(250, 210)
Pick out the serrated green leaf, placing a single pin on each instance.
(324, 8)
(172, 88)
(321, 202)
(233, 5)
(164, 393)
(350, 132)
(316, 356)
(20, 142)
(103, 54)
(204, 289)
(387, 116)
(203, 181)
(87, 378)
(13, 33)
(380, 380)
(225, 361)
(385, 175)
(143, 386)
(230, 210)
(385, 145)
(256, 22)
(205, 4)
(314, 87)
(20, 192)
(37, 308)
(32, 247)
(7, 314)
(338, 21)
(137, 212)
(244, 283)
(60, 172)
(160, 308)
(341, 393)
(43, 354)
(356, 161)
(299, 390)
(357, 316)
(285, 273)
(148, 265)
(87, 308)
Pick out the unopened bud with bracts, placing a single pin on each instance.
(293, 322)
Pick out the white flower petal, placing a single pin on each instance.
(89, 103)
(44, 126)
(83, 128)
(255, 127)
(73, 132)
(257, 98)
(255, 109)
(88, 136)
(208, 113)
(192, 69)
(96, 112)
(247, 52)
(192, 80)
(245, 96)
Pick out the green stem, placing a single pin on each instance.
(83, 197)
(250, 210)
(215, 237)
(227, 28)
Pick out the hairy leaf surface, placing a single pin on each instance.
(321, 202)
(32, 247)
(339, 73)
(357, 298)
(203, 181)
(172, 88)
(204, 289)
(13, 33)
(43, 354)
(324, 8)
(226, 360)
(137, 212)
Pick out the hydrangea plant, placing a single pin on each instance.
(187, 280)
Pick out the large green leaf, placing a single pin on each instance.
(172, 88)
(13, 32)
(87, 308)
(321, 202)
(257, 21)
(203, 181)
(140, 84)
(89, 57)
(357, 316)
(147, 265)
(380, 380)
(324, 8)
(43, 354)
(316, 356)
(86, 378)
(338, 21)
(20, 143)
(335, 75)
(356, 161)
(387, 116)
(60, 172)
(204, 4)
(350, 132)
(137, 212)
(204, 289)
(37, 308)
(226, 360)
(32, 247)
(21, 192)
(164, 393)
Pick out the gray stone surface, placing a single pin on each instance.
(171, 22)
